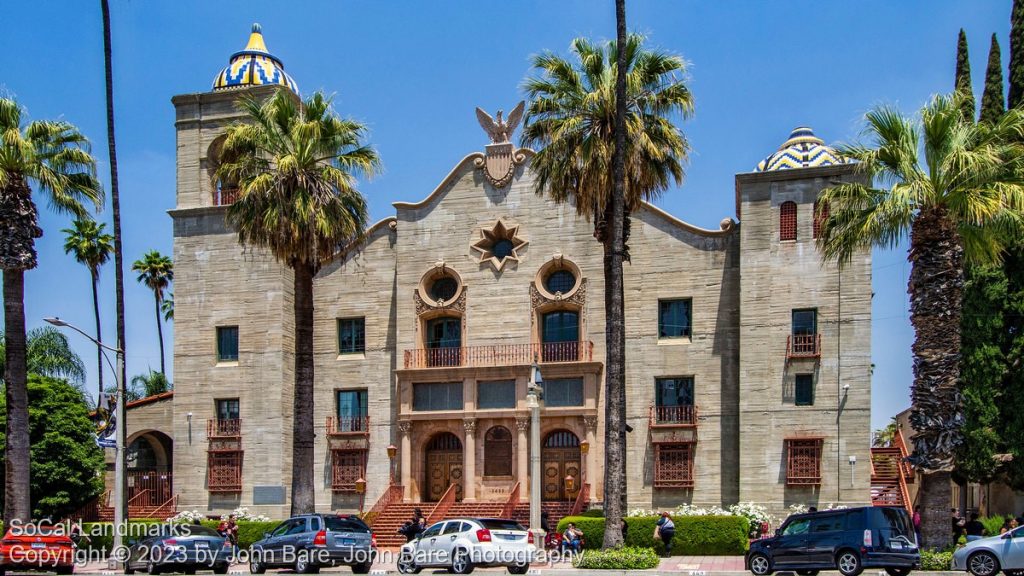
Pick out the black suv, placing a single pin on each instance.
(849, 540)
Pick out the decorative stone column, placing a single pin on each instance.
(469, 461)
(405, 429)
(523, 458)
(590, 465)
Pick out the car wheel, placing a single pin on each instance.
(190, 571)
(406, 565)
(304, 566)
(362, 568)
(807, 572)
(128, 569)
(897, 571)
(257, 567)
(848, 563)
(518, 568)
(220, 569)
(152, 568)
(983, 563)
(461, 563)
(760, 565)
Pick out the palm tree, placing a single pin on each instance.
(961, 199)
(295, 164)
(168, 307)
(48, 353)
(55, 157)
(91, 247)
(149, 384)
(573, 118)
(156, 271)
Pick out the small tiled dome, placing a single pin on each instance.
(254, 66)
(802, 150)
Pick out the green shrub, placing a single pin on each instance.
(626, 558)
(992, 524)
(249, 532)
(101, 535)
(936, 560)
(593, 513)
(695, 535)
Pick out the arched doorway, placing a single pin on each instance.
(560, 457)
(443, 467)
(149, 465)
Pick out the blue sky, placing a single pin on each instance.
(414, 71)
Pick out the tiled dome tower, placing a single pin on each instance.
(254, 66)
(802, 150)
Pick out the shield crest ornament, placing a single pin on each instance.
(501, 157)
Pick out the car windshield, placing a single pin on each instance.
(797, 527)
(345, 524)
(499, 524)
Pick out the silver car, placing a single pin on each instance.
(307, 542)
(462, 544)
(988, 556)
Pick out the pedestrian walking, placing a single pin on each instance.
(666, 530)
(957, 524)
(917, 523)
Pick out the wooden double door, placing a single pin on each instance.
(560, 457)
(443, 466)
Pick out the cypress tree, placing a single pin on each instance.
(1016, 76)
(992, 105)
(963, 76)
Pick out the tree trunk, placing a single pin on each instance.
(99, 332)
(17, 502)
(935, 499)
(936, 283)
(160, 333)
(303, 501)
(615, 335)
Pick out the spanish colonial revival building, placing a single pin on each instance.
(748, 358)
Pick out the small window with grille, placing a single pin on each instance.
(787, 221)
(803, 461)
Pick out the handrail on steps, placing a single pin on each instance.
(393, 493)
(581, 500)
(172, 502)
(510, 504)
(442, 506)
(141, 493)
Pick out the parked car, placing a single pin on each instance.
(310, 541)
(988, 556)
(849, 540)
(179, 548)
(462, 544)
(37, 547)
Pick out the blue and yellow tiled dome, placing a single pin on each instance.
(254, 66)
(802, 150)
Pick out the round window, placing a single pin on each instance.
(502, 249)
(444, 288)
(560, 281)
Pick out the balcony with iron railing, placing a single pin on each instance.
(803, 346)
(499, 355)
(225, 196)
(673, 416)
(348, 425)
(224, 428)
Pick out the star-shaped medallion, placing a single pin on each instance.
(499, 244)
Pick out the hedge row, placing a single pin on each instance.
(101, 536)
(936, 560)
(695, 535)
(625, 558)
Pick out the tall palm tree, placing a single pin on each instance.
(91, 247)
(961, 199)
(156, 271)
(574, 118)
(295, 164)
(48, 353)
(54, 156)
(168, 307)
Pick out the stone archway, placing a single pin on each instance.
(443, 466)
(149, 469)
(560, 456)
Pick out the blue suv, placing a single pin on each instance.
(848, 540)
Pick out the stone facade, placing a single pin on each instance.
(430, 325)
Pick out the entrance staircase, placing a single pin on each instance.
(102, 510)
(890, 474)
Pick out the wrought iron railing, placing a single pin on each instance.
(224, 471)
(581, 500)
(500, 354)
(673, 415)
(393, 493)
(803, 346)
(224, 428)
(803, 461)
(443, 505)
(345, 425)
(225, 196)
(511, 502)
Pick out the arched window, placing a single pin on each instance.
(141, 455)
(820, 215)
(498, 452)
(787, 221)
(225, 190)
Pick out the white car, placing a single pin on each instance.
(986, 557)
(462, 544)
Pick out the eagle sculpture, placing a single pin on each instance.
(500, 130)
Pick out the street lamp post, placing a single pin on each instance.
(120, 450)
(534, 394)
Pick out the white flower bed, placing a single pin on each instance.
(242, 515)
(187, 516)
